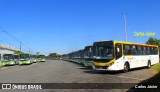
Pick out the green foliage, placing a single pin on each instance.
(156, 67)
(18, 52)
(153, 41)
(53, 55)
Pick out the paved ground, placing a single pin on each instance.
(58, 71)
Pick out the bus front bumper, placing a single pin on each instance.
(100, 68)
(8, 63)
(106, 68)
(24, 62)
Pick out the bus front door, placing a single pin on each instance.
(118, 49)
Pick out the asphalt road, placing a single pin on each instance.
(59, 71)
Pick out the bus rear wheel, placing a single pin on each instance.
(126, 67)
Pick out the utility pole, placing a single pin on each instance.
(125, 32)
(20, 46)
(20, 43)
(29, 51)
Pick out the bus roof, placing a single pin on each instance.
(117, 41)
(7, 54)
(88, 46)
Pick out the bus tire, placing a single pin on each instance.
(149, 64)
(126, 67)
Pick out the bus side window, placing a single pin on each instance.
(139, 49)
(133, 50)
(155, 50)
(126, 49)
(152, 50)
(130, 50)
(144, 50)
(148, 50)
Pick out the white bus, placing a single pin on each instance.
(117, 55)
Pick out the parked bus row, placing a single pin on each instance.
(84, 56)
(113, 55)
(20, 59)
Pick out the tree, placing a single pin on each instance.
(153, 41)
(54, 56)
(17, 52)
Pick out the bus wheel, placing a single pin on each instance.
(126, 67)
(149, 64)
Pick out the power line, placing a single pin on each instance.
(11, 35)
(20, 42)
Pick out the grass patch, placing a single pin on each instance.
(156, 67)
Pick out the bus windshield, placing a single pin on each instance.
(103, 50)
(81, 54)
(24, 56)
(8, 57)
(88, 52)
(41, 56)
(34, 56)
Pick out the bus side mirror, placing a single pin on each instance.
(117, 49)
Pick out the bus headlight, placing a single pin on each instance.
(111, 64)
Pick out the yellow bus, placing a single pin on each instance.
(116, 55)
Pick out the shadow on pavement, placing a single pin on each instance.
(8, 65)
(111, 72)
(155, 80)
(80, 64)
(140, 68)
(102, 72)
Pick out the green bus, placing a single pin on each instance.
(77, 56)
(65, 57)
(73, 56)
(8, 59)
(41, 58)
(25, 59)
(80, 57)
(88, 56)
(34, 58)
(16, 58)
